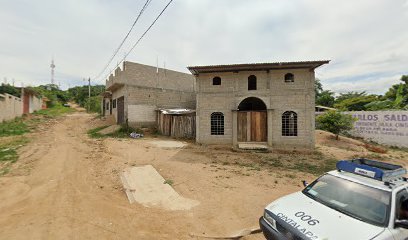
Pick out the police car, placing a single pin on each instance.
(363, 199)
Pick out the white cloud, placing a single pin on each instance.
(365, 39)
(371, 85)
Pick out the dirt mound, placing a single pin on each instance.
(329, 139)
(343, 148)
(110, 129)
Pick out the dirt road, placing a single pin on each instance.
(66, 186)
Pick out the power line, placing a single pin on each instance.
(124, 39)
(141, 37)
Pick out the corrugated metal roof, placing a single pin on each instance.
(256, 66)
(177, 111)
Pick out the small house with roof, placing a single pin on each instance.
(272, 104)
(135, 92)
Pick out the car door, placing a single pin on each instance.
(399, 233)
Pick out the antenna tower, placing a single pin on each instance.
(52, 71)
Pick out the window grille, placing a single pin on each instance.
(217, 123)
(289, 124)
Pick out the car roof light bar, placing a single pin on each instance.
(373, 169)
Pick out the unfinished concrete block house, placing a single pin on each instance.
(271, 104)
(135, 93)
(268, 103)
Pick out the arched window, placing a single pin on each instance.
(252, 82)
(289, 123)
(289, 77)
(217, 123)
(216, 81)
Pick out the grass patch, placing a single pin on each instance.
(8, 153)
(94, 132)
(14, 127)
(315, 169)
(169, 181)
(123, 132)
(315, 163)
(12, 133)
(20, 126)
(4, 171)
(401, 149)
(55, 111)
(272, 162)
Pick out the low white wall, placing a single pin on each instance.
(385, 127)
(10, 107)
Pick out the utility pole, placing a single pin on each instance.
(89, 94)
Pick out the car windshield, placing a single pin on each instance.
(356, 200)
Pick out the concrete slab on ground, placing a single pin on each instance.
(253, 146)
(167, 144)
(146, 186)
(110, 129)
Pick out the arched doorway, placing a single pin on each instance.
(252, 120)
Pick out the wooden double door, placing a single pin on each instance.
(252, 126)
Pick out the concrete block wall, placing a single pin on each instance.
(35, 103)
(206, 105)
(148, 88)
(149, 76)
(141, 103)
(10, 107)
(278, 96)
(141, 114)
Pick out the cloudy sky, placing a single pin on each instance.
(366, 40)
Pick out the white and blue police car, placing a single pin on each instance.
(363, 199)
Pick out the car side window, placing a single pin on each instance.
(402, 205)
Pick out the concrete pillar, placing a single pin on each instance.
(198, 113)
(270, 126)
(234, 128)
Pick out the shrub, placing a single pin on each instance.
(335, 122)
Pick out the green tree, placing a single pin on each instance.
(325, 98)
(335, 122)
(398, 93)
(392, 92)
(53, 93)
(7, 88)
(79, 94)
(379, 105)
(318, 88)
(95, 104)
(356, 103)
(348, 95)
(404, 78)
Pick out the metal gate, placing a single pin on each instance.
(252, 126)
(121, 110)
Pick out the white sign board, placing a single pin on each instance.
(385, 127)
